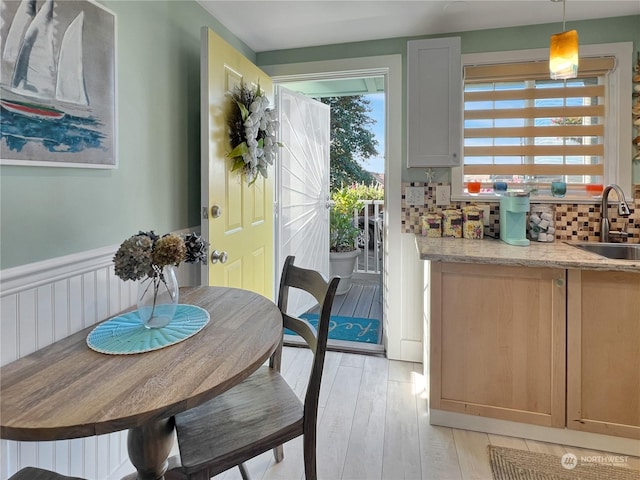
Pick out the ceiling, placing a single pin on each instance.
(266, 25)
(342, 87)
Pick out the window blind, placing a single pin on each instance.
(520, 122)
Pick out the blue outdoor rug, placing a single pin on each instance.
(352, 329)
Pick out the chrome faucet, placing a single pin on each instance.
(623, 210)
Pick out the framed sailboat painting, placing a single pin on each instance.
(57, 84)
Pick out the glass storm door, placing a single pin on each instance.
(302, 188)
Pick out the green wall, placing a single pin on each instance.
(609, 30)
(48, 212)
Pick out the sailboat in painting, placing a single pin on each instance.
(44, 85)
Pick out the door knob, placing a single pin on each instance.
(216, 211)
(217, 255)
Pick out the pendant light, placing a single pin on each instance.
(563, 51)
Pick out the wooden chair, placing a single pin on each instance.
(262, 412)
(32, 473)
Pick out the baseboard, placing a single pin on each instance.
(561, 436)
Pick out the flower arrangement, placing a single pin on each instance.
(252, 132)
(150, 258)
(146, 254)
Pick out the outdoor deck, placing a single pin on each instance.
(364, 300)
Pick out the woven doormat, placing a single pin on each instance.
(511, 464)
(352, 329)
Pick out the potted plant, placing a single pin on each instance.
(343, 234)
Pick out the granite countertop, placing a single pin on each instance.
(492, 251)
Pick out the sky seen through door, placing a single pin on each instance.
(375, 164)
(371, 88)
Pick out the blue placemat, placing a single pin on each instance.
(125, 334)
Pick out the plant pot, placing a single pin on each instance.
(342, 264)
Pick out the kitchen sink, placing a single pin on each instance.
(618, 251)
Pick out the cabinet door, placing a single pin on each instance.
(498, 342)
(603, 371)
(434, 102)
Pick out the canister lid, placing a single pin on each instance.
(451, 212)
(515, 193)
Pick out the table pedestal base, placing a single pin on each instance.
(149, 447)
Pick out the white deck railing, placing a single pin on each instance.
(370, 241)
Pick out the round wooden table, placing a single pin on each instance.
(67, 390)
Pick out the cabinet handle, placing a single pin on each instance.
(559, 282)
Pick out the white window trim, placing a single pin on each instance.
(617, 146)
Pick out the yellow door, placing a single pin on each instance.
(239, 217)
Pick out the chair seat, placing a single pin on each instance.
(32, 473)
(247, 420)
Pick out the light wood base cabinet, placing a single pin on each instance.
(603, 384)
(498, 341)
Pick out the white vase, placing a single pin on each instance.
(342, 264)
(158, 298)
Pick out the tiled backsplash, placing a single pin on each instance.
(572, 221)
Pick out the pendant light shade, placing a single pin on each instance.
(563, 51)
(563, 55)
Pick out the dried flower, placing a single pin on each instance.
(196, 249)
(169, 250)
(133, 260)
(145, 254)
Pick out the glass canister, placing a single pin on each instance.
(452, 223)
(432, 224)
(472, 222)
(541, 223)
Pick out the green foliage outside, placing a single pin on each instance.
(342, 231)
(351, 139)
(343, 228)
(367, 192)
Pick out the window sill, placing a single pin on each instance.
(572, 199)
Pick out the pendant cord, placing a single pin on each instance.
(564, 80)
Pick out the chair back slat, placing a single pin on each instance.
(303, 279)
(303, 329)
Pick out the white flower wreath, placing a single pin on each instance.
(252, 132)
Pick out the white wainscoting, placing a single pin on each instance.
(44, 302)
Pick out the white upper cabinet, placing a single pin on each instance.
(434, 102)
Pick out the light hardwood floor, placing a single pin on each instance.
(374, 424)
